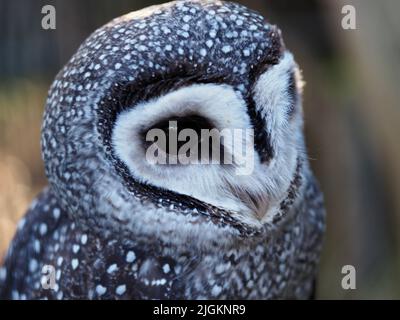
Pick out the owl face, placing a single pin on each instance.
(186, 66)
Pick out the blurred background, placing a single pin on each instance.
(352, 117)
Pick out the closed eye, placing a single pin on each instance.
(175, 125)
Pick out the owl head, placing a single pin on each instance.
(185, 66)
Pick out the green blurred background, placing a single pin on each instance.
(351, 104)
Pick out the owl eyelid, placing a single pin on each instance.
(148, 88)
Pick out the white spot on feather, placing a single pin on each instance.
(120, 289)
(100, 290)
(74, 263)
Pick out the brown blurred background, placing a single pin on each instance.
(351, 104)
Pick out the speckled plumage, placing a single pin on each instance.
(109, 235)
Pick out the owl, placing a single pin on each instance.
(113, 225)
